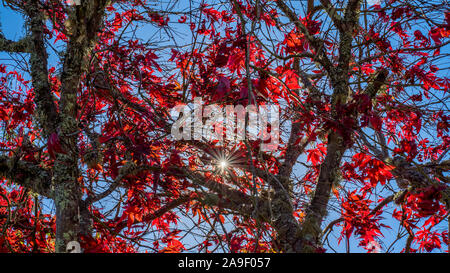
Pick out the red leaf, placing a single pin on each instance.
(54, 145)
(223, 87)
(376, 122)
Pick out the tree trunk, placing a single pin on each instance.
(67, 199)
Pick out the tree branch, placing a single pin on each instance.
(21, 46)
(27, 175)
(332, 13)
(330, 168)
(45, 106)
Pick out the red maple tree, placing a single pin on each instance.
(87, 153)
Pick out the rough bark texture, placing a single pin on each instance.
(45, 106)
(85, 21)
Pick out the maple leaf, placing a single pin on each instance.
(223, 87)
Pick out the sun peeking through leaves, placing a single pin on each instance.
(225, 160)
(223, 164)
